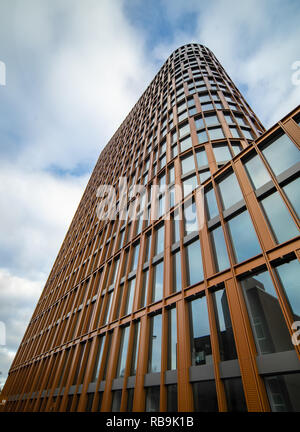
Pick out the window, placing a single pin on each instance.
(291, 190)
(276, 212)
(200, 333)
(235, 394)
(116, 400)
(205, 396)
(123, 352)
(172, 405)
(236, 147)
(211, 120)
(230, 191)
(221, 152)
(186, 143)
(187, 164)
(152, 399)
(281, 154)
(172, 339)
(211, 204)
(135, 348)
(257, 172)
(158, 281)
(268, 325)
(175, 228)
(216, 133)
(202, 137)
(201, 158)
(184, 129)
(283, 392)
(159, 240)
(189, 185)
(176, 271)
(219, 248)
(154, 358)
(243, 236)
(135, 257)
(224, 326)
(289, 276)
(194, 268)
(130, 296)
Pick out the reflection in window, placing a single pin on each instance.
(194, 269)
(236, 147)
(211, 204)
(154, 357)
(205, 396)
(123, 352)
(221, 152)
(172, 405)
(172, 339)
(190, 218)
(176, 258)
(188, 164)
(224, 326)
(292, 192)
(283, 392)
(201, 158)
(135, 348)
(116, 400)
(189, 185)
(200, 332)
(281, 154)
(235, 394)
(135, 257)
(276, 212)
(216, 133)
(158, 281)
(130, 296)
(243, 236)
(219, 248)
(152, 399)
(289, 275)
(257, 172)
(98, 359)
(268, 325)
(159, 240)
(230, 191)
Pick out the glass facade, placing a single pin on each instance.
(157, 305)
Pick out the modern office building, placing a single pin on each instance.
(187, 303)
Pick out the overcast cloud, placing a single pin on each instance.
(74, 70)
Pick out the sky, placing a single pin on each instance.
(74, 69)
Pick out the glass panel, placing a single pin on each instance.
(159, 243)
(183, 130)
(152, 399)
(199, 123)
(130, 395)
(135, 257)
(257, 172)
(211, 204)
(292, 192)
(230, 191)
(276, 213)
(116, 401)
(190, 218)
(144, 288)
(194, 268)
(289, 275)
(202, 137)
(172, 405)
(123, 352)
(176, 229)
(219, 247)
(130, 296)
(224, 326)
(283, 392)
(236, 147)
(200, 333)
(235, 394)
(205, 396)
(216, 133)
(172, 339)
(211, 120)
(201, 158)
(158, 281)
(135, 349)
(268, 325)
(204, 175)
(189, 185)
(185, 144)
(188, 164)
(243, 237)
(281, 154)
(176, 272)
(154, 362)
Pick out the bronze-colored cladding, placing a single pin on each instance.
(83, 300)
